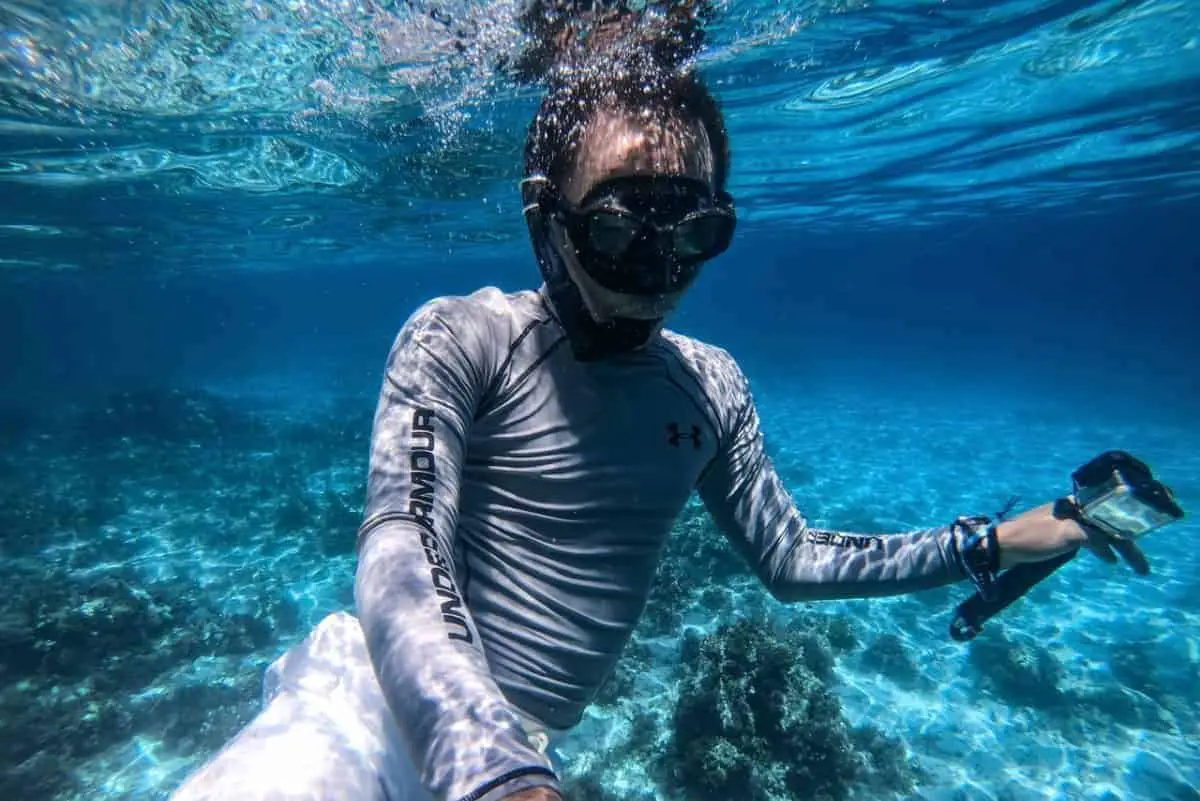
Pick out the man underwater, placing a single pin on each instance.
(530, 453)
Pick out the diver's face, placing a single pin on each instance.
(616, 146)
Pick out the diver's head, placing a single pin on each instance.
(625, 198)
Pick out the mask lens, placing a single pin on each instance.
(610, 233)
(703, 236)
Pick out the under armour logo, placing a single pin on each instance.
(674, 435)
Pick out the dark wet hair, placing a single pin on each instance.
(616, 60)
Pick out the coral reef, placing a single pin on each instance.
(888, 655)
(757, 720)
(1020, 672)
(152, 542)
(88, 662)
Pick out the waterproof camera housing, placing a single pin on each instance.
(1117, 493)
(1114, 493)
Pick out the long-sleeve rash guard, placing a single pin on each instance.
(518, 502)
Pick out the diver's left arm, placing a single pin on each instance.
(749, 502)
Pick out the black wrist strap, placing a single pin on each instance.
(980, 554)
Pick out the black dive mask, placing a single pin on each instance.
(644, 234)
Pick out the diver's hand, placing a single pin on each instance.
(535, 794)
(1041, 534)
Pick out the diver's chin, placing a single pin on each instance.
(604, 305)
(628, 315)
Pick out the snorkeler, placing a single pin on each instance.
(529, 456)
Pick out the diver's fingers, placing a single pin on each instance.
(1132, 554)
(1100, 544)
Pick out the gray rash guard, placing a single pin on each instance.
(517, 506)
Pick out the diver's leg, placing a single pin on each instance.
(325, 733)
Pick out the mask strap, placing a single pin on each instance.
(535, 184)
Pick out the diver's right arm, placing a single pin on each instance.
(464, 737)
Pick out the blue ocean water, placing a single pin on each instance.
(966, 263)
